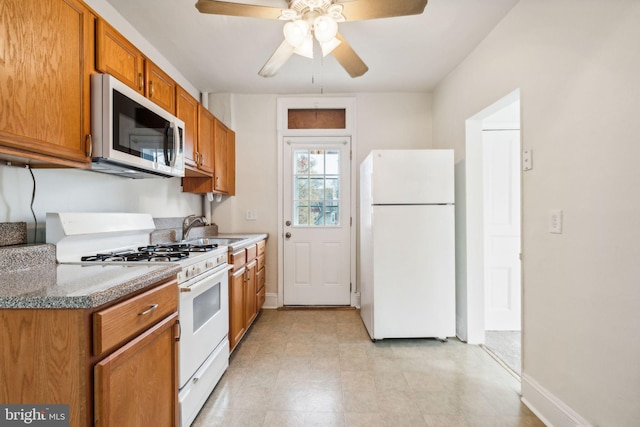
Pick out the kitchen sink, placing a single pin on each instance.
(215, 240)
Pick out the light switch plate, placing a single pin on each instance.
(251, 215)
(555, 221)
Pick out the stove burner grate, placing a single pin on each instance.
(133, 256)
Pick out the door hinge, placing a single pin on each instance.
(350, 287)
(350, 221)
(350, 155)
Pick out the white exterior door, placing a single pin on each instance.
(502, 230)
(317, 217)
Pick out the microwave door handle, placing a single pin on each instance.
(169, 160)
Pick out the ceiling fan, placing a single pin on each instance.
(309, 19)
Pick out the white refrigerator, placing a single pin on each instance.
(407, 264)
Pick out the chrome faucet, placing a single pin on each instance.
(191, 221)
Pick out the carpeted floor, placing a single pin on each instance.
(506, 346)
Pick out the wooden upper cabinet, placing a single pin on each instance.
(187, 111)
(161, 88)
(220, 155)
(222, 140)
(46, 58)
(206, 132)
(224, 159)
(119, 57)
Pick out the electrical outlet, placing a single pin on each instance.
(555, 221)
(251, 215)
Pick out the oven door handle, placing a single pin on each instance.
(201, 280)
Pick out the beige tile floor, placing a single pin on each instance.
(319, 368)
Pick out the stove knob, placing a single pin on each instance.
(209, 264)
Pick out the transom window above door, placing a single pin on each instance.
(316, 188)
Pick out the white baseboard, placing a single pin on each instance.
(270, 301)
(551, 410)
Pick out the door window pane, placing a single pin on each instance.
(316, 189)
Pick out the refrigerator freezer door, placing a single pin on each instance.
(412, 177)
(413, 272)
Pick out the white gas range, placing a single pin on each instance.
(124, 238)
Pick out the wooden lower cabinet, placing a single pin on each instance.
(260, 292)
(250, 311)
(47, 357)
(135, 385)
(246, 290)
(236, 307)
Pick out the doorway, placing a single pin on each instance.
(502, 282)
(317, 218)
(490, 289)
(316, 244)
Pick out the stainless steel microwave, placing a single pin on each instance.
(132, 136)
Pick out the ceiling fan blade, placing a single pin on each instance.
(216, 7)
(358, 10)
(349, 59)
(277, 60)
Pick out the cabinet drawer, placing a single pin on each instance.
(251, 252)
(262, 246)
(238, 259)
(261, 260)
(121, 322)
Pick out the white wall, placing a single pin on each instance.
(576, 63)
(69, 190)
(383, 120)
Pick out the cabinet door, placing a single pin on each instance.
(138, 384)
(236, 306)
(220, 157)
(260, 293)
(231, 163)
(161, 88)
(46, 58)
(187, 111)
(118, 57)
(206, 131)
(250, 298)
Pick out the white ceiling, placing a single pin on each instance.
(224, 53)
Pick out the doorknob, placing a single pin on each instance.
(287, 235)
(288, 223)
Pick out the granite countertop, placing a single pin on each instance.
(30, 278)
(77, 286)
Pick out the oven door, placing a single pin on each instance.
(204, 319)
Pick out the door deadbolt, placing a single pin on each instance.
(288, 223)
(287, 235)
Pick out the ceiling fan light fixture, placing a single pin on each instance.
(305, 48)
(296, 32)
(325, 28)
